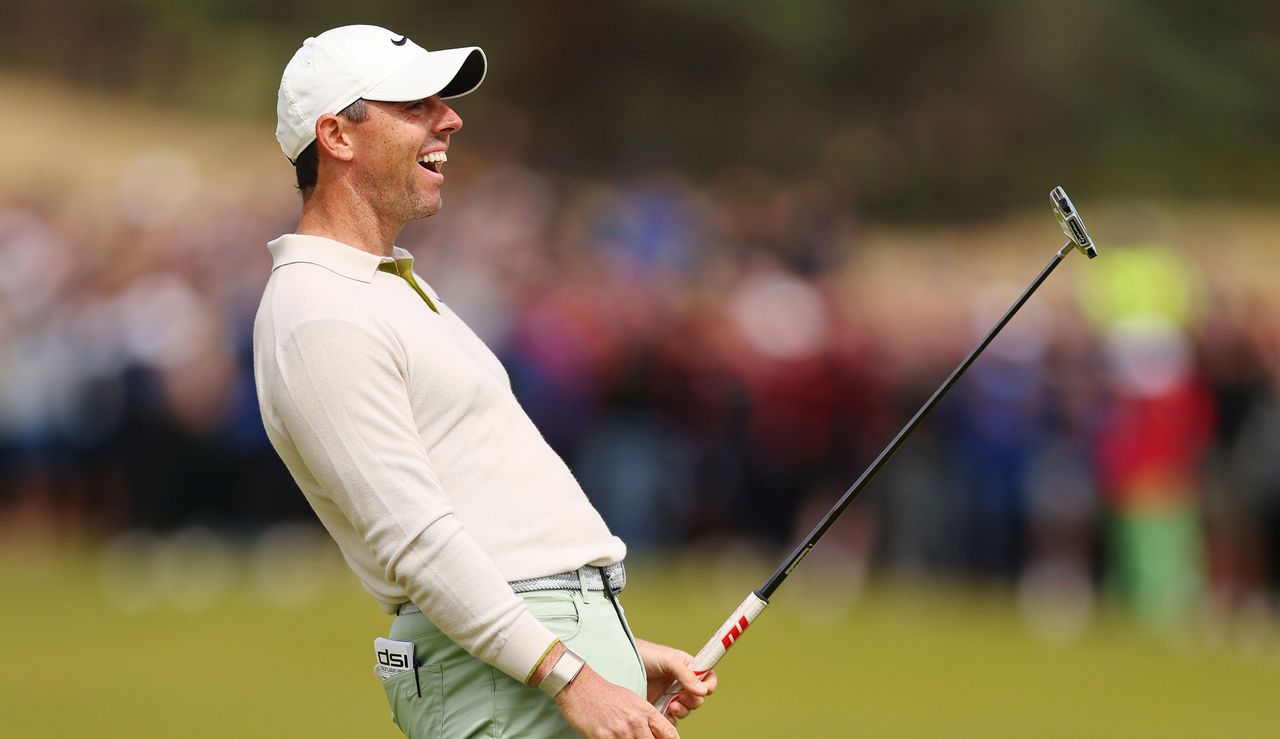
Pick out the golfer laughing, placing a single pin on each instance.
(400, 427)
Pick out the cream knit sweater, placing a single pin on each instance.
(400, 427)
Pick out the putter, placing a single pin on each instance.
(755, 602)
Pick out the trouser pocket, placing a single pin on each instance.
(417, 707)
(556, 610)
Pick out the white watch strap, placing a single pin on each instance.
(566, 669)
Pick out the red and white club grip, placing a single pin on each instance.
(713, 650)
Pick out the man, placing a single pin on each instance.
(401, 429)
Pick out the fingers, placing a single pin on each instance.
(678, 709)
(681, 706)
(661, 727)
(693, 693)
(594, 707)
(664, 664)
(709, 680)
(689, 680)
(688, 701)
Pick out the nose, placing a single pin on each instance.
(447, 120)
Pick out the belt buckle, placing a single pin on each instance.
(608, 582)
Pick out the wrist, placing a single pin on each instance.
(563, 671)
(543, 668)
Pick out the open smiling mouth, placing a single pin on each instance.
(434, 161)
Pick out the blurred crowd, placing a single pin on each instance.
(717, 360)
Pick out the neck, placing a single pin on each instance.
(339, 213)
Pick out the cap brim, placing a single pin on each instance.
(449, 73)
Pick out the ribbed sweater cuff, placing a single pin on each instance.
(526, 643)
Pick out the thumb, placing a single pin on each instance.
(683, 671)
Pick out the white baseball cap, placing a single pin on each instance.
(340, 66)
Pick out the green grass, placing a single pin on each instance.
(897, 661)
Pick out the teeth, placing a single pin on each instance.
(435, 156)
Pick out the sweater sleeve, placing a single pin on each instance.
(342, 398)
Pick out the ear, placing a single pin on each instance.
(333, 138)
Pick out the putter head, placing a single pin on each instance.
(1071, 223)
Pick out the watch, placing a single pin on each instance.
(562, 673)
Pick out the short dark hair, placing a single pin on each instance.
(307, 165)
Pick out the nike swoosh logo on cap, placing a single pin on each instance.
(401, 41)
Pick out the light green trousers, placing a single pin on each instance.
(464, 697)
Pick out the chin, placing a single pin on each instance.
(425, 208)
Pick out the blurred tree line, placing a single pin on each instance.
(944, 109)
